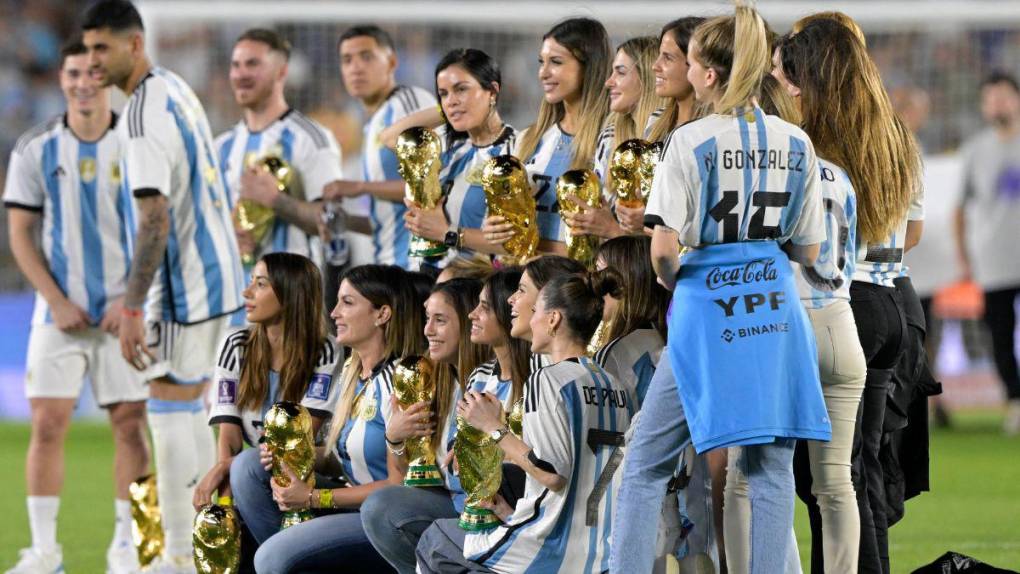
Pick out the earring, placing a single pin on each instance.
(551, 331)
(492, 102)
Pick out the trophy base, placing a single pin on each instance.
(423, 475)
(295, 517)
(478, 519)
(420, 247)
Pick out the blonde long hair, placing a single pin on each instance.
(681, 29)
(835, 16)
(588, 42)
(849, 118)
(629, 125)
(737, 48)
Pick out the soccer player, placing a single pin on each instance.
(986, 225)
(368, 62)
(270, 127)
(185, 267)
(66, 174)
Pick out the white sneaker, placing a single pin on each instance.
(122, 558)
(1011, 426)
(33, 561)
(171, 565)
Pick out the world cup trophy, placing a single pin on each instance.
(288, 434)
(625, 167)
(508, 195)
(481, 471)
(258, 219)
(414, 381)
(146, 520)
(515, 418)
(418, 155)
(649, 161)
(584, 185)
(217, 539)
(601, 337)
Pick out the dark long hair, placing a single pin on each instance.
(644, 300)
(501, 286)
(482, 67)
(544, 268)
(580, 299)
(682, 29)
(298, 286)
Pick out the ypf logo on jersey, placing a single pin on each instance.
(226, 394)
(319, 387)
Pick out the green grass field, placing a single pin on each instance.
(974, 506)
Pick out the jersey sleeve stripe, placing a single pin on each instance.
(512, 529)
(31, 135)
(220, 419)
(312, 130)
(24, 206)
(136, 112)
(231, 343)
(603, 354)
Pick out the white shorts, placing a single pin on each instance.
(58, 363)
(185, 354)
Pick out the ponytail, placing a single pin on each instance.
(579, 297)
(737, 48)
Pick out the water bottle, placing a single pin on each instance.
(338, 252)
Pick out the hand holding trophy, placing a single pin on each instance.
(584, 185)
(508, 195)
(649, 161)
(414, 381)
(626, 167)
(258, 219)
(418, 153)
(481, 472)
(288, 434)
(217, 539)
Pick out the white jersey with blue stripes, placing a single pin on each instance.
(552, 157)
(168, 150)
(829, 278)
(75, 186)
(320, 396)
(565, 405)
(631, 360)
(390, 237)
(743, 177)
(307, 146)
(361, 446)
(881, 263)
(604, 148)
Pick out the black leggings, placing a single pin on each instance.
(1000, 316)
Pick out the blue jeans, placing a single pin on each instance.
(395, 517)
(330, 543)
(253, 497)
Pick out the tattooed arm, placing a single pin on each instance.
(150, 249)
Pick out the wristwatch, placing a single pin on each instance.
(453, 238)
(498, 434)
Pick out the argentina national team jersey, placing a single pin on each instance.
(567, 407)
(319, 398)
(604, 148)
(829, 278)
(881, 263)
(552, 157)
(361, 447)
(631, 360)
(748, 177)
(307, 146)
(75, 186)
(168, 149)
(390, 237)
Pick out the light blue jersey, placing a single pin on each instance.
(361, 447)
(829, 278)
(75, 186)
(552, 157)
(168, 150)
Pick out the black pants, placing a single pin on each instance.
(1000, 316)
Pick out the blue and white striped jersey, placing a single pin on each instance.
(604, 149)
(748, 177)
(390, 236)
(881, 263)
(552, 157)
(361, 447)
(168, 149)
(307, 146)
(75, 185)
(829, 278)
(565, 405)
(320, 395)
(631, 360)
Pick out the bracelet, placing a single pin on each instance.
(397, 451)
(128, 312)
(310, 493)
(392, 442)
(326, 498)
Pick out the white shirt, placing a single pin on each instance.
(551, 159)
(168, 149)
(631, 360)
(75, 185)
(881, 262)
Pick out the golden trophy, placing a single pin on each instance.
(601, 337)
(288, 433)
(217, 540)
(515, 418)
(418, 153)
(414, 381)
(481, 471)
(508, 195)
(258, 219)
(584, 185)
(625, 167)
(649, 161)
(146, 520)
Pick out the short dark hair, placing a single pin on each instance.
(117, 15)
(1000, 77)
(271, 38)
(381, 37)
(73, 47)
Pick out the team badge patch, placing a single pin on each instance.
(366, 408)
(319, 387)
(87, 169)
(226, 394)
(115, 173)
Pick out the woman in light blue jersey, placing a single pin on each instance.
(740, 367)
(840, 89)
(394, 517)
(367, 320)
(574, 63)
